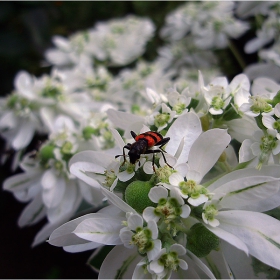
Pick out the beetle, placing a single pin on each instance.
(143, 144)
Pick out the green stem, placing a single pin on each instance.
(237, 55)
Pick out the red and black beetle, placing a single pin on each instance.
(143, 143)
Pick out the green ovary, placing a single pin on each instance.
(217, 103)
(260, 105)
(161, 119)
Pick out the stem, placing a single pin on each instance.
(237, 55)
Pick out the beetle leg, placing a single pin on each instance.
(158, 151)
(127, 146)
(162, 142)
(133, 134)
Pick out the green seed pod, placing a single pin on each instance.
(201, 241)
(136, 195)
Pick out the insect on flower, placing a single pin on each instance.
(143, 144)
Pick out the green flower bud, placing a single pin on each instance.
(136, 195)
(201, 241)
(46, 153)
(88, 131)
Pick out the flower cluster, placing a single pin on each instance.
(176, 165)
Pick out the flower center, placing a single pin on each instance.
(169, 208)
(217, 102)
(268, 143)
(161, 119)
(179, 108)
(110, 177)
(210, 212)
(192, 189)
(169, 261)
(163, 173)
(142, 239)
(259, 105)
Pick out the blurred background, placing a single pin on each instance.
(26, 30)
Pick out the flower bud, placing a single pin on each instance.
(201, 241)
(136, 195)
(46, 153)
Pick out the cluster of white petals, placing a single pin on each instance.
(175, 164)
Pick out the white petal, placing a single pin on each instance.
(104, 230)
(268, 121)
(153, 227)
(81, 247)
(155, 251)
(158, 192)
(119, 263)
(45, 232)
(85, 171)
(149, 214)
(183, 264)
(118, 202)
(156, 267)
(118, 139)
(178, 248)
(8, 120)
(187, 126)
(175, 179)
(229, 237)
(245, 191)
(148, 167)
(186, 210)
(53, 188)
(99, 158)
(207, 149)
(190, 257)
(90, 194)
(33, 212)
(197, 201)
(140, 272)
(24, 136)
(125, 176)
(260, 232)
(68, 205)
(126, 237)
(135, 221)
(64, 236)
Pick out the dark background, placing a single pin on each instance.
(26, 29)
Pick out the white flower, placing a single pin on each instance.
(203, 154)
(144, 238)
(168, 261)
(161, 117)
(238, 197)
(106, 40)
(261, 148)
(169, 206)
(20, 119)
